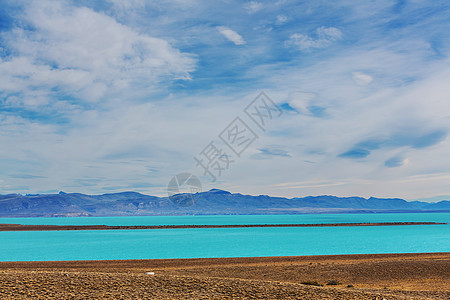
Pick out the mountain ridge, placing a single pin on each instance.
(210, 202)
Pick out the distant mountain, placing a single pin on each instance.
(211, 202)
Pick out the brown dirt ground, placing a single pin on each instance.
(381, 276)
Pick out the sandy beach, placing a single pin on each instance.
(381, 276)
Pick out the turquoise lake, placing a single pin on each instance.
(235, 219)
(224, 242)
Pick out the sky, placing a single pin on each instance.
(106, 96)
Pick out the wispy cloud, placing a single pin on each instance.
(301, 101)
(324, 37)
(281, 19)
(25, 176)
(270, 152)
(412, 137)
(253, 6)
(396, 161)
(231, 35)
(361, 78)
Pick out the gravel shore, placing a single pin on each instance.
(382, 276)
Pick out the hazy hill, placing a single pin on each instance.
(210, 202)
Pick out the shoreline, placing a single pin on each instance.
(20, 227)
(170, 262)
(354, 276)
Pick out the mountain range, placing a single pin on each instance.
(204, 203)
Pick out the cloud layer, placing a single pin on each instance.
(101, 96)
(86, 54)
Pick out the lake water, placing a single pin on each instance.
(224, 242)
(235, 219)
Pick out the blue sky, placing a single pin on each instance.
(107, 96)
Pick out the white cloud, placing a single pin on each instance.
(300, 101)
(231, 35)
(119, 4)
(253, 6)
(85, 53)
(362, 79)
(325, 36)
(281, 19)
